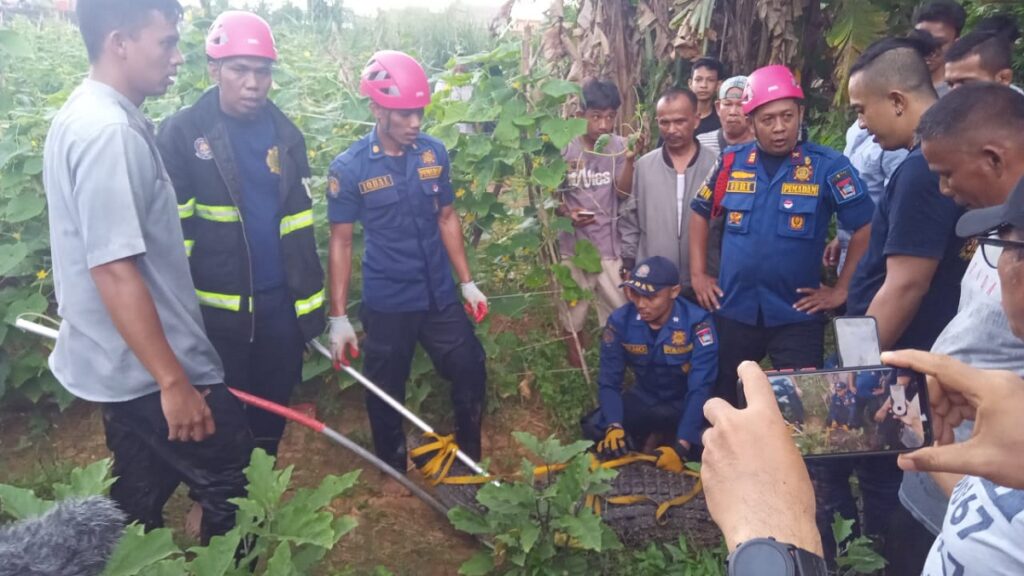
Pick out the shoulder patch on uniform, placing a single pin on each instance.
(705, 335)
(844, 185)
(203, 150)
(333, 186)
(430, 172)
(704, 193)
(608, 336)
(375, 183)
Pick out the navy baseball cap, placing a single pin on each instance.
(985, 220)
(651, 275)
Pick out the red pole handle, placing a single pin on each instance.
(282, 411)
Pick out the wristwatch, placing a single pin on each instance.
(767, 557)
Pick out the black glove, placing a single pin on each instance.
(672, 458)
(614, 445)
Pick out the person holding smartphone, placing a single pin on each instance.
(598, 179)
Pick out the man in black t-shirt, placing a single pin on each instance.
(704, 78)
(909, 280)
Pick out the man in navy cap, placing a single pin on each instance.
(671, 346)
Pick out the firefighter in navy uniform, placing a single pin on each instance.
(778, 195)
(671, 346)
(239, 169)
(396, 181)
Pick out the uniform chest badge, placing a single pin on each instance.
(787, 204)
(274, 161)
(735, 218)
(803, 173)
(203, 150)
(796, 223)
(428, 158)
(679, 338)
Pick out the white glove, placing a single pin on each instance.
(476, 302)
(343, 339)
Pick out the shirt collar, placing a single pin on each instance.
(668, 159)
(108, 91)
(377, 149)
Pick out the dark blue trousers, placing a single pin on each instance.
(270, 366)
(448, 338)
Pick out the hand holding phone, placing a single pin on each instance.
(853, 411)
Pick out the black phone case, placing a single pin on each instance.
(926, 411)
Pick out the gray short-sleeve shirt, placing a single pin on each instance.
(110, 198)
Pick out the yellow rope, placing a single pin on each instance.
(437, 468)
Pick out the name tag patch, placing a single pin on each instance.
(635, 348)
(670, 349)
(794, 189)
(374, 184)
(741, 186)
(430, 172)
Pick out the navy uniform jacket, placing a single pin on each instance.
(406, 267)
(678, 365)
(776, 227)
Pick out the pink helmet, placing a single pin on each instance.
(237, 33)
(769, 84)
(396, 81)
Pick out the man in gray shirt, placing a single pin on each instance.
(132, 336)
(656, 221)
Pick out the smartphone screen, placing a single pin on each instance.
(857, 341)
(854, 411)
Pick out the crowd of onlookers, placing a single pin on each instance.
(739, 202)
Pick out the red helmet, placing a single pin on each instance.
(396, 81)
(236, 33)
(769, 84)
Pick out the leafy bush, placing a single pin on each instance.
(539, 524)
(281, 536)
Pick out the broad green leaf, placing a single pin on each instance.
(528, 535)
(217, 557)
(266, 485)
(24, 207)
(33, 302)
(561, 132)
(585, 529)
(507, 498)
(172, 567)
(302, 527)
(22, 503)
(138, 549)
(316, 365)
(841, 528)
(587, 257)
(32, 166)
(559, 88)
(480, 564)
(10, 256)
(552, 174)
(468, 521)
(562, 224)
(280, 563)
(92, 480)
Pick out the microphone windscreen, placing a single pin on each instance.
(74, 538)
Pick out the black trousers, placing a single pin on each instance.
(639, 420)
(791, 346)
(270, 366)
(149, 467)
(448, 338)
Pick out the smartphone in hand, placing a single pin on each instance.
(853, 411)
